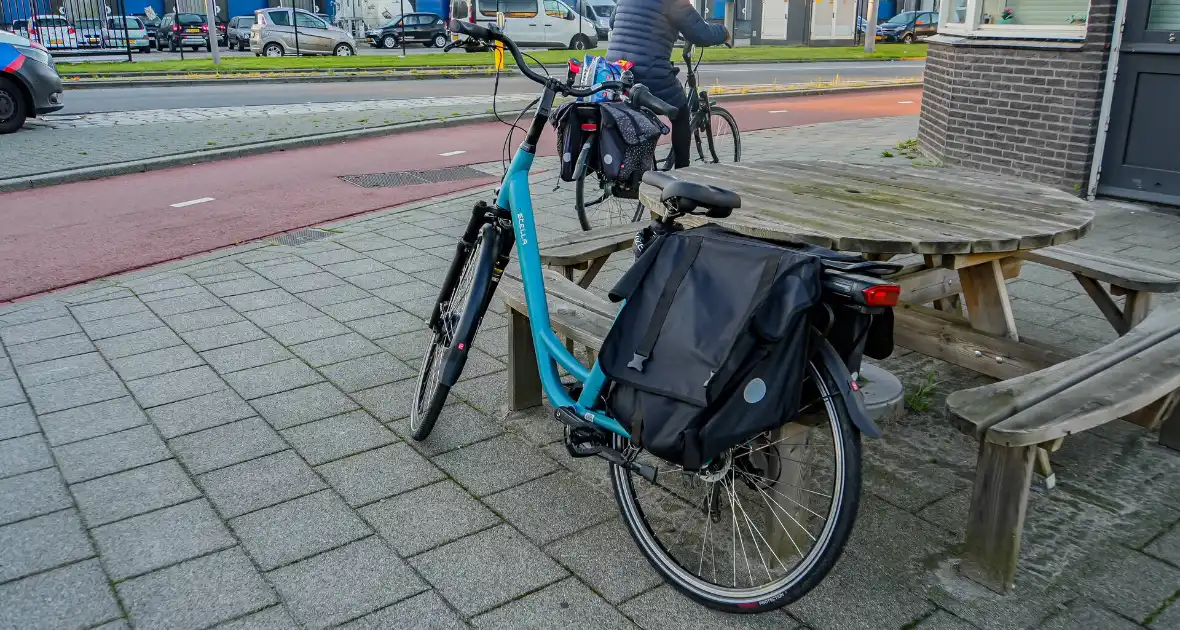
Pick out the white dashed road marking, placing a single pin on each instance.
(450, 153)
(905, 102)
(777, 111)
(192, 202)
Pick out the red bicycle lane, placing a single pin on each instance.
(62, 235)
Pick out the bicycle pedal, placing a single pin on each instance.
(584, 441)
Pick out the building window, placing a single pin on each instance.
(1025, 19)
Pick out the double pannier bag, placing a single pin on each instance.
(711, 347)
(626, 146)
(568, 120)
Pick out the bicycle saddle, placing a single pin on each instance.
(690, 197)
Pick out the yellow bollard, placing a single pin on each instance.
(498, 55)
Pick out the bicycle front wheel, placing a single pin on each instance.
(720, 140)
(468, 295)
(763, 523)
(597, 205)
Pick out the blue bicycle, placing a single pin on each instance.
(757, 527)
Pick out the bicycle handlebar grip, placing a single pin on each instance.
(641, 96)
(471, 29)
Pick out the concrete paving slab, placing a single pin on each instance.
(298, 529)
(73, 596)
(41, 543)
(427, 517)
(200, 413)
(336, 437)
(458, 425)
(380, 473)
(427, 610)
(133, 492)
(24, 454)
(111, 453)
(494, 465)
(272, 378)
(260, 483)
(246, 355)
(303, 405)
(226, 445)
(52, 348)
(32, 494)
(161, 538)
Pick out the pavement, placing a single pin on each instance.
(130, 221)
(221, 441)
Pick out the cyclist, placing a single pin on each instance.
(644, 33)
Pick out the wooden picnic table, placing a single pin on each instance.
(969, 230)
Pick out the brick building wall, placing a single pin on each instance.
(1018, 107)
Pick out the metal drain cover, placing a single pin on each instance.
(409, 178)
(299, 237)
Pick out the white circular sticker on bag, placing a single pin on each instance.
(607, 159)
(755, 391)
(565, 157)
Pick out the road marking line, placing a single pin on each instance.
(450, 153)
(192, 202)
(905, 102)
(777, 111)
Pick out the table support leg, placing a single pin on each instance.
(988, 306)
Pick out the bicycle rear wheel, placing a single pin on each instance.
(468, 295)
(597, 205)
(765, 522)
(720, 140)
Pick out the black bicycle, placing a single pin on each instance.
(715, 136)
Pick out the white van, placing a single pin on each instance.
(532, 23)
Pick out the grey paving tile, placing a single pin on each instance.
(212, 270)
(73, 596)
(6, 370)
(197, 593)
(552, 507)
(358, 309)
(226, 444)
(32, 494)
(388, 402)
(367, 372)
(339, 436)
(246, 355)
(665, 609)
(57, 370)
(11, 392)
(390, 254)
(1168, 619)
(625, 576)
(297, 529)
(121, 325)
(942, 620)
(179, 292)
(380, 473)
(204, 318)
(345, 583)
(42, 543)
(240, 286)
(500, 566)
(308, 330)
(568, 600)
(76, 392)
(430, 240)
(175, 386)
(355, 267)
(108, 308)
(389, 324)
(136, 491)
(302, 405)
(197, 414)
(157, 539)
(53, 348)
(115, 452)
(1133, 584)
(309, 282)
(494, 465)
(259, 483)
(288, 270)
(282, 314)
(1082, 614)
(410, 346)
(24, 454)
(335, 349)
(156, 362)
(118, 624)
(419, 263)
(160, 283)
(427, 610)
(1167, 546)
(378, 279)
(222, 336)
(367, 242)
(331, 256)
(259, 300)
(273, 618)
(488, 394)
(36, 331)
(333, 295)
(17, 420)
(272, 379)
(458, 425)
(15, 314)
(428, 517)
(136, 343)
(88, 421)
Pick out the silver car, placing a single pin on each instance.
(283, 31)
(128, 32)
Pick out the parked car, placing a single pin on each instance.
(51, 31)
(128, 32)
(427, 29)
(599, 14)
(183, 29)
(91, 33)
(29, 83)
(908, 27)
(276, 31)
(152, 24)
(536, 23)
(222, 31)
(238, 32)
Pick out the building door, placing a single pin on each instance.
(1141, 160)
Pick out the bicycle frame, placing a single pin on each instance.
(516, 197)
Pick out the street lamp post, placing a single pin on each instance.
(403, 37)
(871, 27)
(212, 19)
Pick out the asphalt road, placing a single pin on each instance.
(134, 99)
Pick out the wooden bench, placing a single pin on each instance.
(1012, 419)
(588, 251)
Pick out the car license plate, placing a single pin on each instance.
(55, 41)
(880, 37)
(192, 30)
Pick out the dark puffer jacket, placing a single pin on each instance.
(645, 32)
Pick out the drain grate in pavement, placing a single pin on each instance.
(409, 178)
(299, 237)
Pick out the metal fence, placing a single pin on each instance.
(75, 27)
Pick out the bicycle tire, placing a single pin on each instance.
(720, 117)
(812, 567)
(612, 209)
(434, 393)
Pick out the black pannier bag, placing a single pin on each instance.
(626, 145)
(711, 347)
(568, 120)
